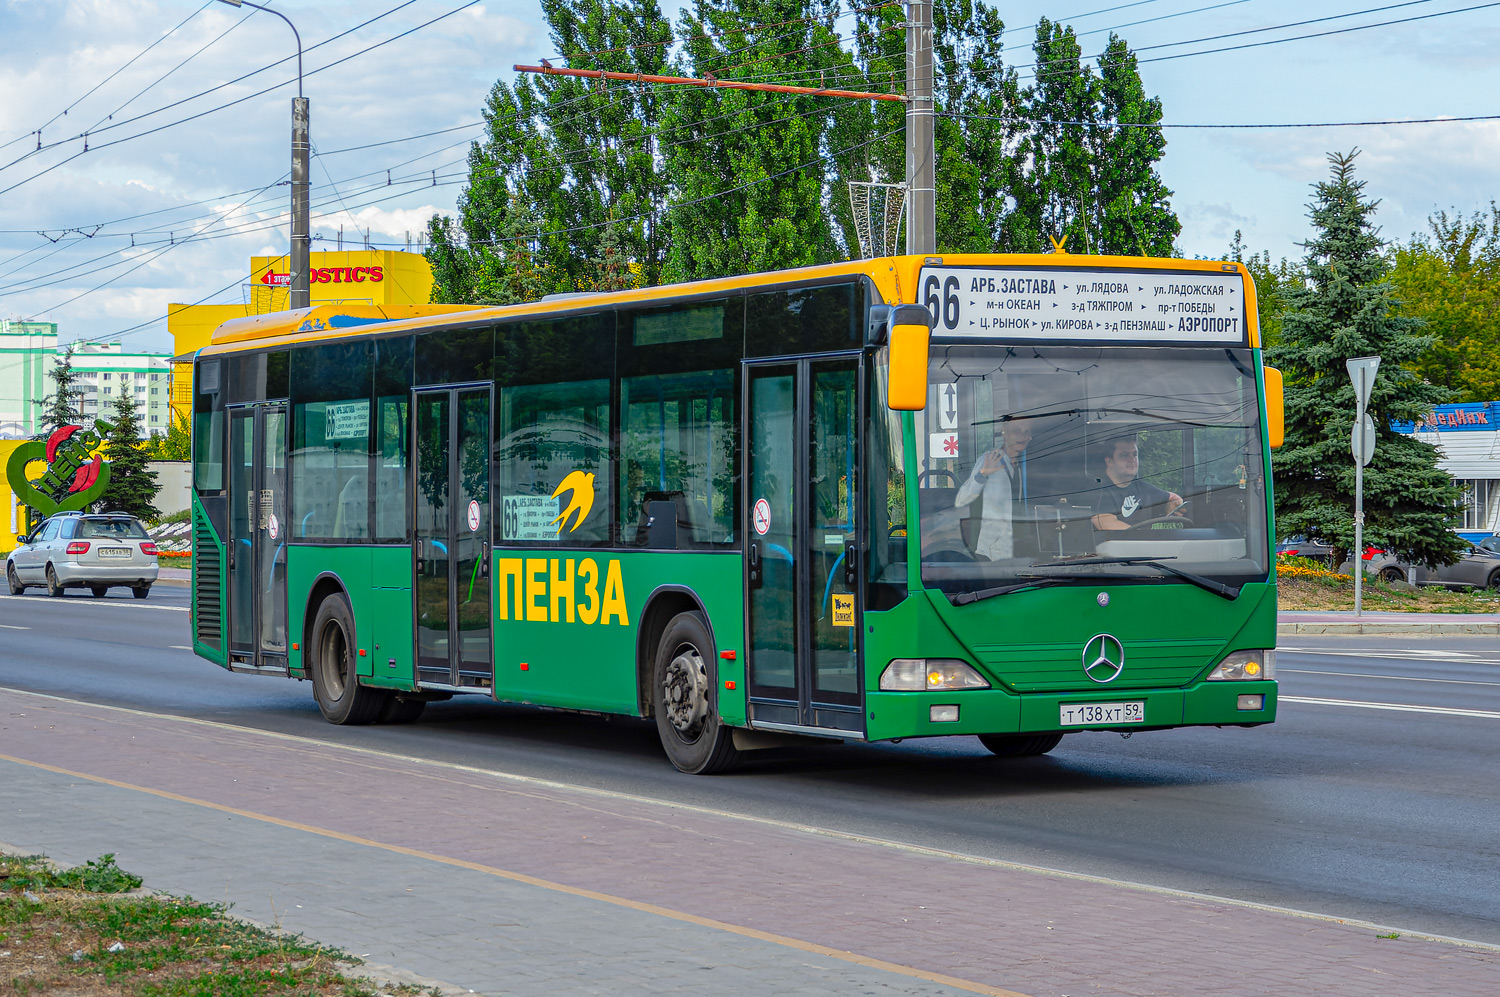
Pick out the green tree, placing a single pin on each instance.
(563, 157)
(750, 170)
(1085, 167)
(1347, 310)
(1273, 281)
(60, 408)
(176, 444)
(1450, 278)
(977, 101)
(132, 484)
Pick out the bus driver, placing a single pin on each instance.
(1124, 499)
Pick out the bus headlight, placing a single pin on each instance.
(1245, 666)
(927, 674)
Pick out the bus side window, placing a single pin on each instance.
(330, 455)
(677, 437)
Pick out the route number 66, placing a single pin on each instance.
(944, 309)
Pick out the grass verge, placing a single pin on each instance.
(91, 931)
(1308, 585)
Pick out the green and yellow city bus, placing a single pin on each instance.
(1006, 496)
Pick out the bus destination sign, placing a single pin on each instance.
(1035, 303)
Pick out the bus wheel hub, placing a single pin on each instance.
(686, 691)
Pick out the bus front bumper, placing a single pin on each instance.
(890, 715)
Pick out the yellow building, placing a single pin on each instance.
(355, 277)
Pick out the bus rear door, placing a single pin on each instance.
(257, 538)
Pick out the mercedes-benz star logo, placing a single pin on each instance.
(1103, 658)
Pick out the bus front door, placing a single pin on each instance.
(451, 549)
(801, 549)
(257, 538)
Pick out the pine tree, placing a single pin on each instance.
(132, 485)
(61, 407)
(1347, 309)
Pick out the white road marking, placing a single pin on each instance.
(1397, 707)
(1391, 678)
(1456, 657)
(95, 602)
(7, 626)
(178, 647)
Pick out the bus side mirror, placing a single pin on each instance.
(907, 390)
(1275, 407)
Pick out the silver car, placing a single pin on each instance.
(1479, 568)
(84, 550)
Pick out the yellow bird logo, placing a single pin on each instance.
(582, 486)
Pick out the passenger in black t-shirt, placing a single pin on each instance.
(1124, 500)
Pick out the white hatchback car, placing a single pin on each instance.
(84, 550)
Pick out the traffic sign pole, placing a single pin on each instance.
(1362, 372)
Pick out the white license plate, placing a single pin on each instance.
(1085, 714)
(114, 551)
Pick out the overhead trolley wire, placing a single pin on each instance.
(117, 72)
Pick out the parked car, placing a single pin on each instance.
(95, 551)
(1302, 547)
(1490, 543)
(1478, 568)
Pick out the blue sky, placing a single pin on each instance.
(55, 266)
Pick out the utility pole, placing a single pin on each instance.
(921, 183)
(1362, 372)
(300, 257)
(301, 289)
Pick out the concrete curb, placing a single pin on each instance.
(1389, 627)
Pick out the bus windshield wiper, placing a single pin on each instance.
(1030, 581)
(1217, 588)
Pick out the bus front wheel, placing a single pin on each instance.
(683, 698)
(1019, 745)
(336, 688)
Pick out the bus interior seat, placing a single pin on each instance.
(665, 522)
(351, 517)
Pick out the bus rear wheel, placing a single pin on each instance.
(340, 697)
(683, 687)
(1019, 745)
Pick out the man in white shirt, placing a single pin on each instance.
(997, 476)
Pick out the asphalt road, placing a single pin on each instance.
(1373, 797)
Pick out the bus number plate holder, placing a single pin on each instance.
(1089, 714)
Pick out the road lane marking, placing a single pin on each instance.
(930, 851)
(520, 877)
(1398, 707)
(95, 602)
(178, 647)
(1393, 652)
(1391, 678)
(7, 626)
(1456, 657)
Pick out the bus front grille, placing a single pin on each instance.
(208, 628)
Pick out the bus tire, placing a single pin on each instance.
(683, 686)
(1019, 745)
(397, 709)
(336, 687)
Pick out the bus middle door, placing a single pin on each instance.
(451, 534)
(801, 545)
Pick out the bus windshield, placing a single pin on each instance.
(1045, 465)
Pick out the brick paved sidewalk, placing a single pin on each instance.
(509, 885)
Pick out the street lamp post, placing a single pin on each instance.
(300, 289)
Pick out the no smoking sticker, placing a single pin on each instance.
(473, 516)
(762, 516)
(273, 527)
